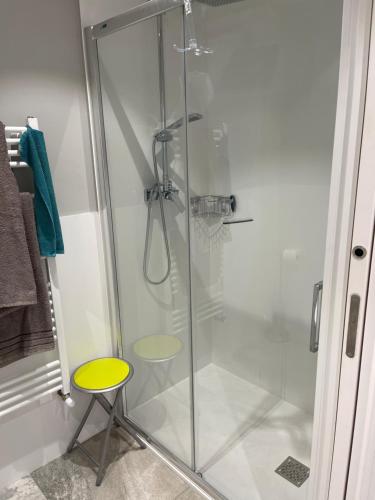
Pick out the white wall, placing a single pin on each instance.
(268, 96)
(43, 75)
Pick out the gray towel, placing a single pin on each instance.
(28, 330)
(17, 283)
(25, 311)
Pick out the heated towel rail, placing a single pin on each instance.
(53, 376)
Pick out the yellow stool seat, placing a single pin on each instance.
(101, 375)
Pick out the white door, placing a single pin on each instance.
(346, 278)
(356, 481)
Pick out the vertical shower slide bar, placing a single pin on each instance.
(163, 107)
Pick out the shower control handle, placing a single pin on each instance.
(315, 316)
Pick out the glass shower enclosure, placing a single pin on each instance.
(216, 124)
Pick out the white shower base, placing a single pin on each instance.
(243, 433)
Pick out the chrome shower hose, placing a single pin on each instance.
(156, 190)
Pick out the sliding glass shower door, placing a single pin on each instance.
(143, 92)
(218, 129)
(266, 84)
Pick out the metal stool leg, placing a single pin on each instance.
(79, 428)
(123, 424)
(119, 420)
(103, 455)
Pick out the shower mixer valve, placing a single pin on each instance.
(168, 192)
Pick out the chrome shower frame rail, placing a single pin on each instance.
(92, 34)
(140, 13)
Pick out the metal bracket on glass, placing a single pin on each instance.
(315, 316)
(197, 50)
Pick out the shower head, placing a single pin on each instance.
(165, 134)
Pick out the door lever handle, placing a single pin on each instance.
(315, 316)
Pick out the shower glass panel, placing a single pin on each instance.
(223, 253)
(265, 83)
(143, 93)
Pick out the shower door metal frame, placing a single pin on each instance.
(142, 12)
(151, 9)
(355, 42)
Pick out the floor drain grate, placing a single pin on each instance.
(293, 471)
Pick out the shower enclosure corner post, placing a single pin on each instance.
(102, 188)
(193, 412)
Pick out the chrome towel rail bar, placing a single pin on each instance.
(52, 377)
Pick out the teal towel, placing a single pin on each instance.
(33, 152)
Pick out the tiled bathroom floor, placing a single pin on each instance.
(243, 433)
(133, 474)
